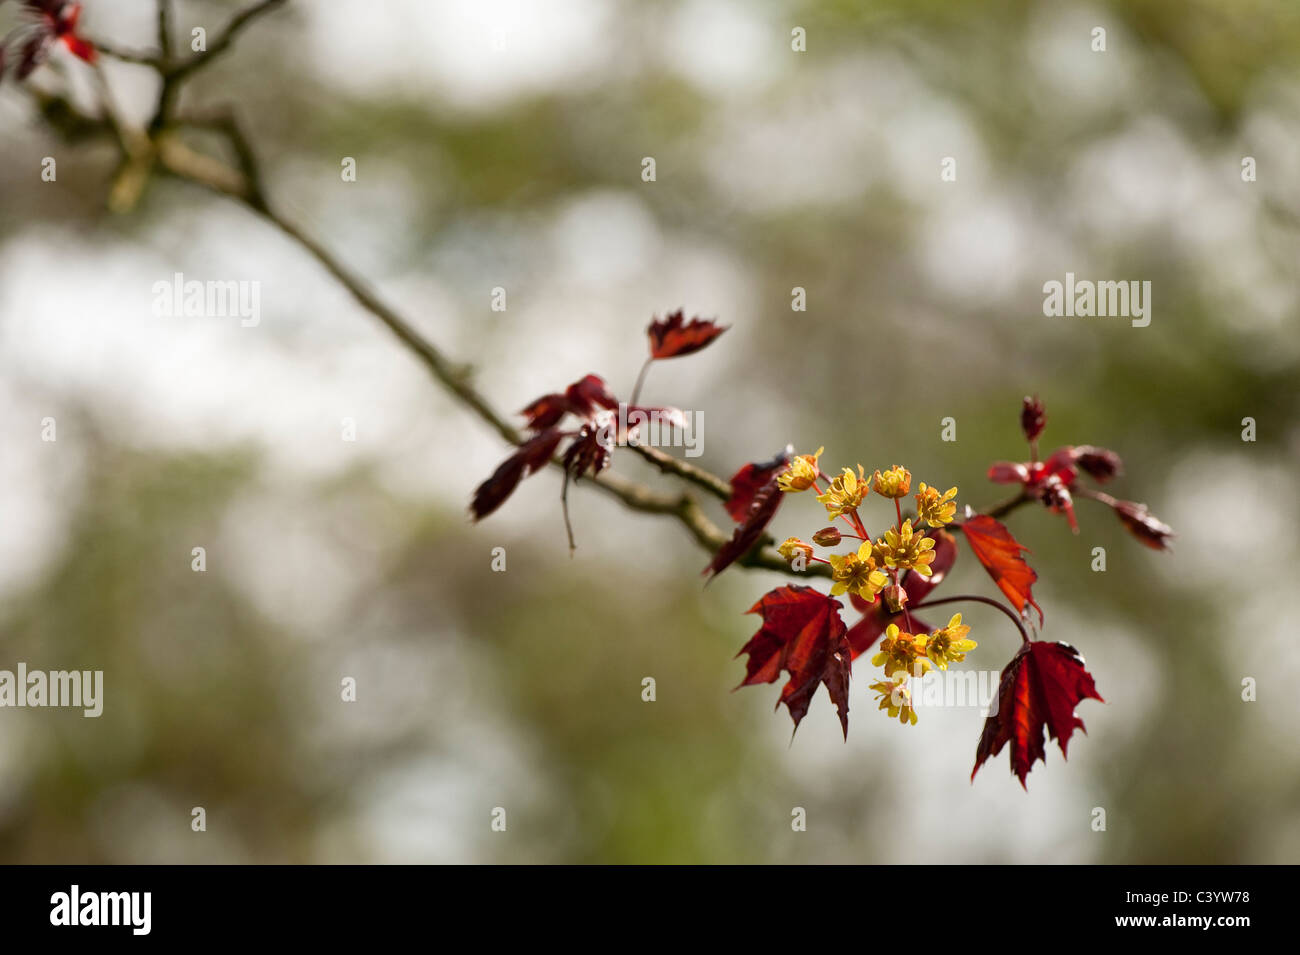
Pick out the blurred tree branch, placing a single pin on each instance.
(160, 147)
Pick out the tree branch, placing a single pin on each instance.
(162, 148)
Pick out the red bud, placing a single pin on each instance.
(1033, 418)
(826, 537)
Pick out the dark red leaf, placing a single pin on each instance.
(1009, 472)
(1040, 689)
(531, 456)
(999, 552)
(746, 482)
(1101, 464)
(589, 451)
(582, 398)
(671, 337)
(803, 635)
(589, 393)
(1143, 525)
(762, 508)
(546, 411)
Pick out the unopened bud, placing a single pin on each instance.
(895, 598)
(1033, 418)
(826, 537)
(895, 483)
(1143, 525)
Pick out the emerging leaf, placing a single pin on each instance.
(1144, 525)
(1040, 689)
(671, 337)
(582, 398)
(1101, 464)
(531, 456)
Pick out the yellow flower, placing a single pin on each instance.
(801, 474)
(895, 482)
(792, 546)
(933, 508)
(845, 493)
(899, 653)
(949, 643)
(906, 550)
(856, 574)
(896, 699)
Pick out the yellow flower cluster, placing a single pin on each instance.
(903, 654)
(875, 568)
(857, 574)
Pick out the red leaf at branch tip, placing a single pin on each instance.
(531, 456)
(1040, 689)
(672, 337)
(762, 508)
(1144, 525)
(999, 552)
(803, 635)
(1033, 417)
(746, 482)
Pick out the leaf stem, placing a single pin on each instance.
(640, 380)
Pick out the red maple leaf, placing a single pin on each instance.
(763, 505)
(803, 635)
(530, 457)
(749, 480)
(1040, 688)
(672, 337)
(999, 552)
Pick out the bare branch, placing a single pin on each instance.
(179, 70)
(139, 57)
(698, 476)
(165, 28)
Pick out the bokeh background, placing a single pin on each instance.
(499, 143)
